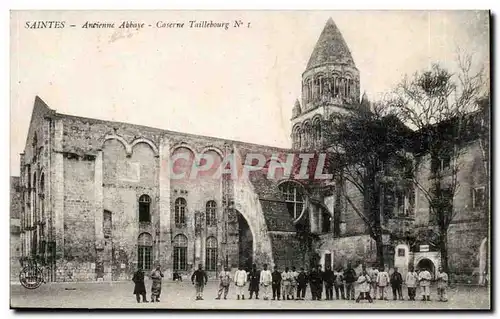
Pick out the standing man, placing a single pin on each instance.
(328, 278)
(240, 279)
(424, 278)
(225, 280)
(285, 283)
(253, 278)
(382, 282)
(373, 280)
(411, 283)
(364, 287)
(276, 276)
(314, 282)
(139, 287)
(339, 284)
(293, 282)
(266, 278)
(156, 277)
(442, 284)
(320, 285)
(396, 283)
(199, 279)
(301, 284)
(350, 279)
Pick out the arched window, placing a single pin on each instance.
(296, 137)
(317, 131)
(180, 211)
(144, 208)
(211, 213)
(180, 252)
(41, 195)
(326, 222)
(211, 254)
(107, 224)
(144, 251)
(294, 198)
(306, 142)
(309, 90)
(305, 90)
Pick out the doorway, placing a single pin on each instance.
(245, 243)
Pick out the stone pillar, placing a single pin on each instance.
(98, 214)
(313, 218)
(165, 240)
(57, 194)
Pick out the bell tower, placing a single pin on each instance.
(330, 84)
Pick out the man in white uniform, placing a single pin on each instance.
(442, 284)
(266, 279)
(225, 280)
(240, 279)
(382, 282)
(424, 278)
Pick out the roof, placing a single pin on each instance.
(296, 109)
(273, 205)
(330, 48)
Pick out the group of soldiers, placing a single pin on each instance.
(291, 284)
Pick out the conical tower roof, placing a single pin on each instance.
(330, 48)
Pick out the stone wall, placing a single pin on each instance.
(79, 237)
(98, 166)
(344, 250)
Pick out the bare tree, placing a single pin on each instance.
(438, 105)
(366, 144)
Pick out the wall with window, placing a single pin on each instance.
(470, 222)
(130, 190)
(194, 192)
(470, 200)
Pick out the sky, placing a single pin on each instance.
(239, 83)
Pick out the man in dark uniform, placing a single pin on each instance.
(276, 284)
(350, 278)
(314, 282)
(199, 279)
(301, 284)
(328, 278)
(254, 280)
(320, 285)
(139, 288)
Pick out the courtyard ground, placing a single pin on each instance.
(181, 295)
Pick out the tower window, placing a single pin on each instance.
(317, 130)
(144, 208)
(180, 211)
(211, 213)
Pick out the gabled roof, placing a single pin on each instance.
(330, 48)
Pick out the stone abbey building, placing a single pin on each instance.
(98, 198)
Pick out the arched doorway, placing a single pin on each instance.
(245, 243)
(427, 264)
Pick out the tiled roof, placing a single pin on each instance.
(330, 48)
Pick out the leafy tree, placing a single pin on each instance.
(367, 144)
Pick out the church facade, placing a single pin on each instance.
(101, 198)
